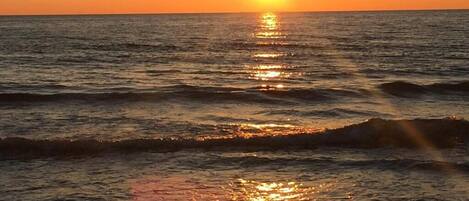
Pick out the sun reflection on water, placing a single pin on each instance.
(249, 130)
(279, 191)
(270, 21)
(269, 33)
(266, 75)
(178, 187)
(268, 67)
(268, 55)
(269, 27)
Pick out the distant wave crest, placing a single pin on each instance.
(407, 89)
(193, 93)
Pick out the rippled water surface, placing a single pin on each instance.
(221, 76)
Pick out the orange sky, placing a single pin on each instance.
(15, 7)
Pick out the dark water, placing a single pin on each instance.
(202, 83)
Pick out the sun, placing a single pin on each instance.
(272, 5)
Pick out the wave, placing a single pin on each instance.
(168, 71)
(262, 45)
(208, 96)
(393, 164)
(261, 95)
(129, 47)
(334, 112)
(413, 72)
(410, 164)
(35, 87)
(406, 89)
(402, 89)
(264, 95)
(375, 133)
(463, 86)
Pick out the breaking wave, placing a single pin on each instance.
(375, 133)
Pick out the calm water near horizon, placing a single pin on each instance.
(224, 76)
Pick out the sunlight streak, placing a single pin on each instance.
(268, 55)
(281, 191)
(411, 130)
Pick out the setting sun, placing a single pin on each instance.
(41, 7)
(272, 5)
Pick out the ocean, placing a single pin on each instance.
(249, 106)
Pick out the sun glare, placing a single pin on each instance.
(272, 5)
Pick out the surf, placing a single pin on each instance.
(372, 134)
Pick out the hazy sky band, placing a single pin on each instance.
(20, 7)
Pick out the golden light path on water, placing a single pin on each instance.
(179, 188)
(269, 75)
(279, 191)
(269, 67)
(252, 190)
(269, 21)
(270, 35)
(269, 29)
(268, 55)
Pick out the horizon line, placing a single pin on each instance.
(233, 12)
